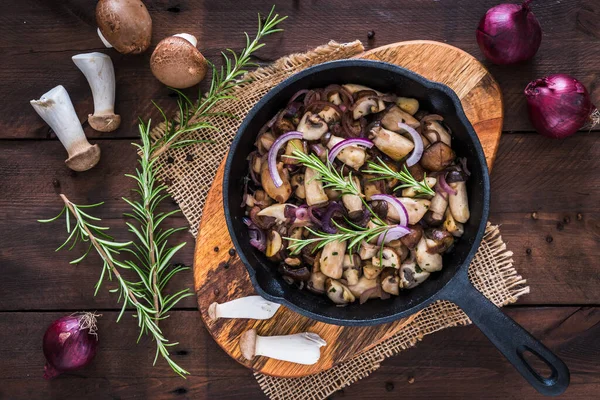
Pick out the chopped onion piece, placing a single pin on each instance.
(397, 204)
(417, 140)
(272, 157)
(335, 150)
(393, 234)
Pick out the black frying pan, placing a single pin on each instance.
(452, 283)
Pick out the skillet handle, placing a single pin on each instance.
(510, 338)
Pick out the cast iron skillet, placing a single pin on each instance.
(452, 283)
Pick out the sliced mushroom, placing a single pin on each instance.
(370, 271)
(411, 192)
(367, 250)
(399, 248)
(436, 132)
(329, 115)
(313, 187)
(352, 270)
(338, 293)
(394, 115)
(312, 126)
(391, 143)
(297, 183)
(437, 156)
(437, 209)
(451, 225)
(387, 258)
(429, 262)
(335, 98)
(390, 281)
(413, 238)
(411, 275)
(261, 199)
(316, 283)
(332, 258)
(276, 211)
(363, 285)
(264, 142)
(274, 244)
(408, 105)
(438, 240)
(301, 274)
(459, 202)
(353, 203)
(352, 156)
(416, 209)
(354, 88)
(364, 106)
(279, 194)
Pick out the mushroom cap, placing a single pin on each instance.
(104, 122)
(84, 160)
(248, 344)
(125, 24)
(177, 63)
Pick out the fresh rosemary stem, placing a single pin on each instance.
(385, 172)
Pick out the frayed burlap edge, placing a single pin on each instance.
(189, 172)
(491, 271)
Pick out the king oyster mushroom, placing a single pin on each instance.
(352, 270)
(355, 89)
(313, 188)
(176, 61)
(363, 285)
(390, 281)
(367, 250)
(391, 143)
(436, 132)
(387, 258)
(429, 262)
(316, 283)
(453, 226)
(416, 209)
(408, 105)
(124, 24)
(437, 209)
(411, 275)
(332, 259)
(279, 194)
(394, 115)
(352, 202)
(459, 202)
(352, 156)
(370, 271)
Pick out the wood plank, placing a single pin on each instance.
(531, 173)
(54, 31)
(455, 363)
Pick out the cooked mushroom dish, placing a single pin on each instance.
(354, 193)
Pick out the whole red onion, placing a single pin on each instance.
(509, 33)
(70, 343)
(559, 105)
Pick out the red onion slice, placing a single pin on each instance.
(444, 185)
(393, 234)
(272, 157)
(397, 204)
(335, 150)
(417, 140)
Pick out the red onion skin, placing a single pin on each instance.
(559, 105)
(67, 346)
(509, 34)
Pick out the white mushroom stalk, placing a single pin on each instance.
(56, 109)
(100, 74)
(300, 348)
(250, 307)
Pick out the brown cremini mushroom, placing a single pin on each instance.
(125, 25)
(177, 62)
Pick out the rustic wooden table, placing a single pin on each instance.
(545, 194)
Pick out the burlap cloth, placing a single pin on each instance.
(190, 177)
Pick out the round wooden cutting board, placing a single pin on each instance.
(220, 276)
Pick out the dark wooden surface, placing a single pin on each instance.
(558, 252)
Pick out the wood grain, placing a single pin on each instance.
(457, 363)
(213, 282)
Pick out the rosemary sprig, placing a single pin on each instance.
(354, 235)
(193, 115)
(385, 172)
(133, 294)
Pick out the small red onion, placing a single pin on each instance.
(509, 33)
(417, 140)
(335, 150)
(393, 234)
(559, 105)
(272, 157)
(397, 204)
(70, 343)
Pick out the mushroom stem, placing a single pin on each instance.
(100, 74)
(300, 348)
(190, 38)
(251, 307)
(104, 41)
(56, 109)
